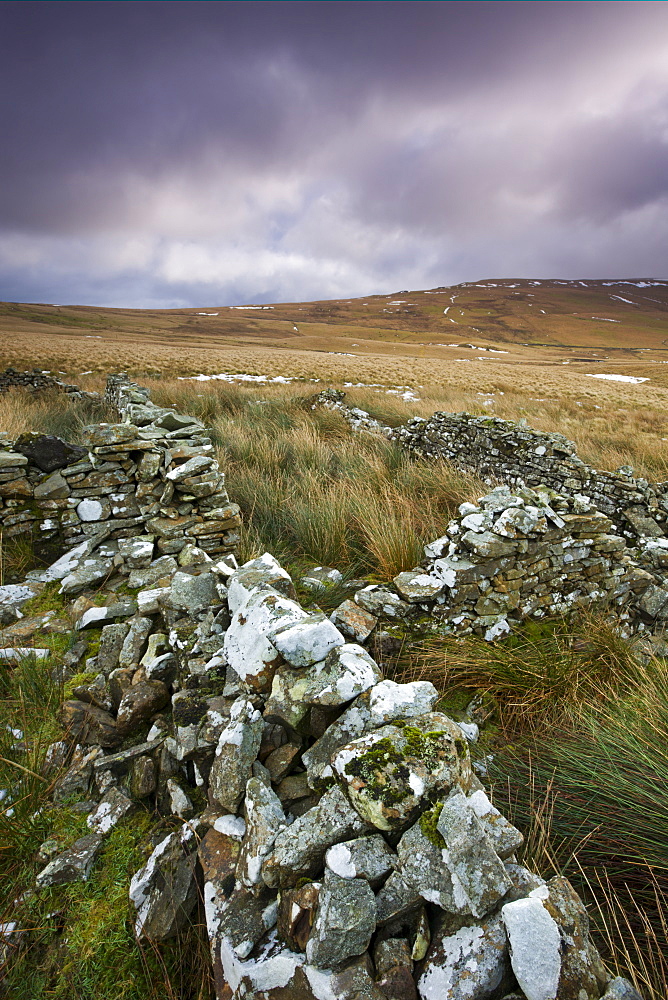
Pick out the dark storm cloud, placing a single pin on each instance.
(190, 152)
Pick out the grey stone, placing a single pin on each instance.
(192, 467)
(95, 617)
(654, 601)
(137, 552)
(487, 545)
(347, 672)
(53, 488)
(164, 891)
(296, 914)
(620, 989)
(381, 602)
(381, 704)
(179, 801)
(396, 899)
(476, 870)
(307, 641)
(369, 858)
(111, 643)
(150, 602)
(239, 918)
(583, 975)
(112, 807)
(535, 946)
(193, 593)
(320, 578)
(91, 509)
(164, 566)
(345, 920)
(469, 964)
(265, 819)
(246, 647)
(417, 585)
(388, 773)
(74, 864)
(299, 851)
(135, 641)
(76, 780)
(88, 572)
(503, 836)
(263, 571)
(237, 749)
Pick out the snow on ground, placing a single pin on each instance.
(604, 319)
(251, 307)
(211, 314)
(628, 301)
(617, 378)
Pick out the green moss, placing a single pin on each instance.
(48, 600)
(383, 771)
(85, 677)
(426, 747)
(428, 825)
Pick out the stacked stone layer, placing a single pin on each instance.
(152, 474)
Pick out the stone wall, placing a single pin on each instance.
(525, 553)
(514, 453)
(38, 380)
(154, 473)
(333, 821)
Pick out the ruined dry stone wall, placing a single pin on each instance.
(516, 454)
(525, 553)
(333, 821)
(153, 473)
(38, 380)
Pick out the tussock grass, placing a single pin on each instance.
(49, 412)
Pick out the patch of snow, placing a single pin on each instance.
(604, 319)
(617, 378)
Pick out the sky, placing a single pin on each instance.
(169, 154)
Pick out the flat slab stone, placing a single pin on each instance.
(345, 920)
(263, 571)
(353, 621)
(74, 864)
(164, 891)
(534, 941)
(415, 586)
(470, 964)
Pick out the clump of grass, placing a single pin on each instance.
(534, 676)
(50, 412)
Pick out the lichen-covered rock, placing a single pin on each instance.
(247, 649)
(416, 585)
(620, 989)
(164, 891)
(476, 870)
(306, 642)
(582, 971)
(112, 807)
(237, 748)
(381, 602)
(503, 836)
(389, 773)
(382, 703)
(299, 851)
(369, 858)
(74, 864)
(396, 899)
(111, 643)
(345, 920)
(264, 571)
(468, 962)
(265, 819)
(353, 621)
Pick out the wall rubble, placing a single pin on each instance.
(153, 473)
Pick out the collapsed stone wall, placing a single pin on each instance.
(516, 454)
(38, 380)
(154, 473)
(526, 553)
(344, 842)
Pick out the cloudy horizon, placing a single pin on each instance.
(180, 154)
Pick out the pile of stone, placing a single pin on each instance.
(523, 553)
(152, 474)
(332, 820)
(38, 380)
(516, 454)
